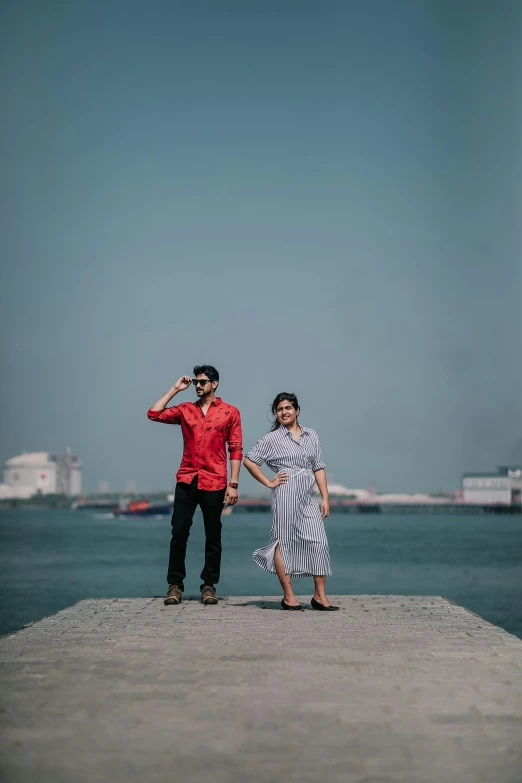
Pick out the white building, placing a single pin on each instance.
(504, 487)
(41, 473)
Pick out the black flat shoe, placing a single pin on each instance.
(290, 608)
(321, 607)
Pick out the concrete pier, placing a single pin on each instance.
(391, 689)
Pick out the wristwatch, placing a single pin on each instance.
(233, 485)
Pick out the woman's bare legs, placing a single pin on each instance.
(319, 593)
(285, 579)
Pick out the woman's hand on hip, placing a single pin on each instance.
(281, 478)
(325, 508)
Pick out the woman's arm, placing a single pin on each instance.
(320, 479)
(257, 473)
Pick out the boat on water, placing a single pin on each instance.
(144, 508)
(92, 505)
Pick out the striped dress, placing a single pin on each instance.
(297, 525)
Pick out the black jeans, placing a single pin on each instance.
(186, 499)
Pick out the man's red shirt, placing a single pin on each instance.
(204, 440)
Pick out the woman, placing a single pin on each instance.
(298, 544)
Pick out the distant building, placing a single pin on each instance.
(41, 473)
(504, 486)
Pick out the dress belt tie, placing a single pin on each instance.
(297, 473)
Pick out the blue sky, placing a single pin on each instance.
(321, 198)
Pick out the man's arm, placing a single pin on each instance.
(235, 448)
(171, 415)
(235, 467)
(231, 495)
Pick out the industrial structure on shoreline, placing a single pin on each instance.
(41, 473)
(501, 487)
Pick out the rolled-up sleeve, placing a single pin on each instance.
(170, 415)
(235, 438)
(260, 452)
(317, 459)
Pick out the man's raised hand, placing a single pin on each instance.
(183, 383)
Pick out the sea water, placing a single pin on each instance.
(52, 558)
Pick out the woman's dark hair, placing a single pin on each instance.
(280, 397)
(207, 369)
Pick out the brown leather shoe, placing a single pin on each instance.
(208, 595)
(173, 596)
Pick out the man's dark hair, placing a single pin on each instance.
(207, 369)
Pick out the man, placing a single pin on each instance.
(207, 426)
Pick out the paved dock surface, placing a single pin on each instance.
(391, 689)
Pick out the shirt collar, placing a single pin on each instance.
(304, 430)
(215, 402)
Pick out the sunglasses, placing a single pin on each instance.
(202, 382)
